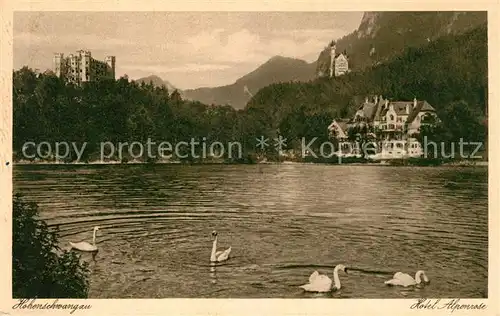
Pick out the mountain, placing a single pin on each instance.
(157, 82)
(277, 69)
(382, 36)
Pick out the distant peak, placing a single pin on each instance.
(157, 81)
(275, 57)
(153, 76)
(280, 59)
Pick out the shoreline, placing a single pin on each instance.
(351, 163)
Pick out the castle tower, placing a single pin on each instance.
(74, 68)
(333, 47)
(85, 60)
(111, 62)
(58, 64)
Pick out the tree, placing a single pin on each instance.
(359, 132)
(40, 269)
(176, 96)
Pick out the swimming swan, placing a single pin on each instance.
(85, 246)
(404, 279)
(322, 283)
(218, 256)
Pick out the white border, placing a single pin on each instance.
(243, 306)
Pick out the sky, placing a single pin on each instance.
(189, 49)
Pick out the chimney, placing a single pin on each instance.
(376, 99)
(414, 102)
(386, 104)
(407, 109)
(366, 100)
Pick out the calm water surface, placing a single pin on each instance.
(282, 221)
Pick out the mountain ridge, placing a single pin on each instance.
(274, 70)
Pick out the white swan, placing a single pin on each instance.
(85, 246)
(322, 283)
(404, 279)
(218, 256)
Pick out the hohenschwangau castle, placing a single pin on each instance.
(81, 67)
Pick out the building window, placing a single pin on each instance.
(391, 117)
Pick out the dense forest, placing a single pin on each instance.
(450, 73)
(384, 35)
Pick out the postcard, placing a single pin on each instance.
(225, 159)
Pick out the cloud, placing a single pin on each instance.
(220, 46)
(243, 46)
(306, 34)
(205, 39)
(78, 40)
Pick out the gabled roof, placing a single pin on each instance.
(380, 107)
(400, 109)
(422, 106)
(369, 109)
(338, 55)
(342, 123)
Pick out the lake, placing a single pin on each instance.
(283, 221)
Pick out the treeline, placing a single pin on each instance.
(450, 73)
(46, 109)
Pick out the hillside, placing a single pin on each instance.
(276, 69)
(157, 82)
(382, 36)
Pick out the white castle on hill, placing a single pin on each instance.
(81, 67)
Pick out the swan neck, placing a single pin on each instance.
(418, 276)
(214, 249)
(336, 279)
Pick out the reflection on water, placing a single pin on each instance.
(213, 272)
(282, 221)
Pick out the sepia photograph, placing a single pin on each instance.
(250, 154)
